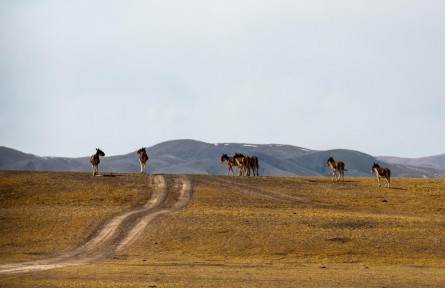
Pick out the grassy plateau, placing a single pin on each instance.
(234, 231)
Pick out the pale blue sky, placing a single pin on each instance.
(321, 74)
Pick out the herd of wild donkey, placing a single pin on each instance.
(246, 163)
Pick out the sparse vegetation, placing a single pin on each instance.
(236, 231)
(43, 213)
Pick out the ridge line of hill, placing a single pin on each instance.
(197, 157)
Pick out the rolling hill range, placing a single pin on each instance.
(437, 162)
(195, 157)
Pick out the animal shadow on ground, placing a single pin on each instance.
(397, 188)
(330, 181)
(111, 175)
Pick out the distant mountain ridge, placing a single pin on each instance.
(437, 161)
(196, 157)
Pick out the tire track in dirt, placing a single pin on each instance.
(230, 182)
(119, 232)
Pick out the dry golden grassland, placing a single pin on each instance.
(43, 214)
(235, 232)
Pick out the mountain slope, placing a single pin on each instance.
(195, 157)
(437, 161)
(10, 156)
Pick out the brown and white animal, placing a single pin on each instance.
(230, 162)
(94, 160)
(243, 164)
(337, 167)
(143, 158)
(254, 165)
(381, 172)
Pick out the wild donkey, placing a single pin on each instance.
(143, 158)
(230, 162)
(239, 160)
(337, 166)
(243, 164)
(381, 172)
(94, 160)
(254, 165)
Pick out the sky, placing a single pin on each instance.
(320, 74)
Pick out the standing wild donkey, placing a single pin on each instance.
(381, 172)
(94, 160)
(230, 163)
(143, 158)
(243, 163)
(240, 161)
(337, 166)
(254, 165)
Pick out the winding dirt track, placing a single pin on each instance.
(118, 232)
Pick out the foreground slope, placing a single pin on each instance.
(235, 231)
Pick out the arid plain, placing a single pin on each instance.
(61, 229)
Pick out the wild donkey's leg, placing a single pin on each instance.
(142, 167)
(95, 170)
(248, 169)
(335, 175)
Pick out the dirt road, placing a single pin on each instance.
(118, 232)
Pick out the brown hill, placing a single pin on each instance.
(234, 231)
